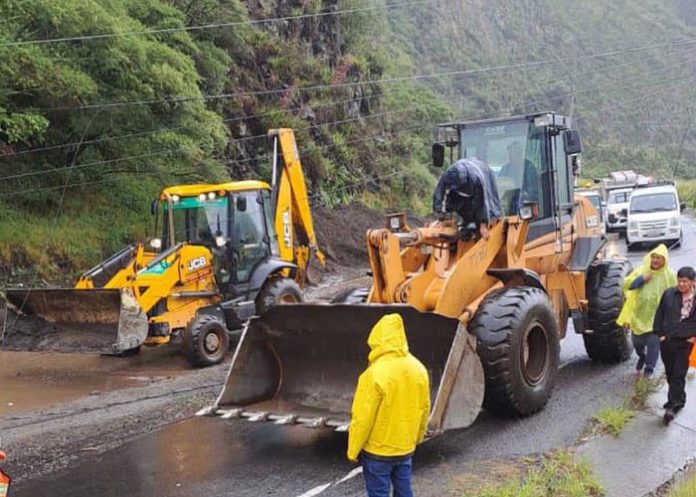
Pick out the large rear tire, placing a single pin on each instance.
(205, 341)
(276, 291)
(519, 347)
(608, 343)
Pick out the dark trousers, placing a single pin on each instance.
(380, 474)
(647, 347)
(675, 356)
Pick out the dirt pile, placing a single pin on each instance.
(341, 232)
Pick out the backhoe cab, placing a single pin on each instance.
(484, 313)
(217, 262)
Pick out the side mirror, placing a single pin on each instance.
(576, 165)
(682, 206)
(153, 207)
(571, 140)
(438, 154)
(241, 203)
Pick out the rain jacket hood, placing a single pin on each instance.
(392, 400)
(641, 304)
(388, 336)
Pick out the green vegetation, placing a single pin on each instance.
(90, 130)
(612, 420)
(686, 488)
(687, 192)
(556, 475)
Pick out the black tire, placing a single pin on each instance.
(277, 290)
(357, 295)
(519, 347)
(608, 343)
(205, 341)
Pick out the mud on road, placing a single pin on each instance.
(58, 408)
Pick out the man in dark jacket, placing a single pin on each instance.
(675, 324)
(468, 188)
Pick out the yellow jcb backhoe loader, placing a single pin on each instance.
(218, 263)
(483, 311)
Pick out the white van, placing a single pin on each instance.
(654, 215)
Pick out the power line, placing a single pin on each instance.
(181, 149)
(388, 80)
(175, 128)
(213, 26)
(320, 105)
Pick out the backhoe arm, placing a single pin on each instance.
(293, 216)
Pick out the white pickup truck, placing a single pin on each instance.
(617, 204)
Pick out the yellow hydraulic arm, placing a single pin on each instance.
(293, 217)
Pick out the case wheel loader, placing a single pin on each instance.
(484, 309)
(218, 262)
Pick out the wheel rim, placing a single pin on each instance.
(288, 298)
(212, 342)
(535, 353)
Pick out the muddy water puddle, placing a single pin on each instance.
(37, 380)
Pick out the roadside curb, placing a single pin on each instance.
(647, 454)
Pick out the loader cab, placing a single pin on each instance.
(234, 220)
(533, 158)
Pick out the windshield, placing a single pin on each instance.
(619, 197)
(658, 202)
(514, 152)
(595, 200)
(197, 220)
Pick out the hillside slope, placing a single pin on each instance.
(156, 92)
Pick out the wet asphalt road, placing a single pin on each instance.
(215, 457)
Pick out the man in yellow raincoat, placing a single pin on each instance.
(390, 411)
(643, 289)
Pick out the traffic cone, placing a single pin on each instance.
(5, 479)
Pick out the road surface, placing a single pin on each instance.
(214, 457)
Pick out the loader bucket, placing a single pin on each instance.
(69, 320)
(299, 364)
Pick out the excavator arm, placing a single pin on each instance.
(293, 217)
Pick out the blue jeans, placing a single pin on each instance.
(379, 474)
(647, 347)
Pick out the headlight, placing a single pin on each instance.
(674, 221)
(633, 225)
(202, 197)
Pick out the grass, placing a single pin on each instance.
(687, 192)
(644, 389)
(555, 475)
(687, 488)
(612, 420)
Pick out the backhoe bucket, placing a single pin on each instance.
(299, 364)
(68, 320)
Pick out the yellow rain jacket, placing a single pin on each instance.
(641, 304)
(392, 400)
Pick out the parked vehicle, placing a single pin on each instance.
(654, 215)
(617, 204)
(596, 200)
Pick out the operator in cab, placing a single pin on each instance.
(522, 174)
(468, 189)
